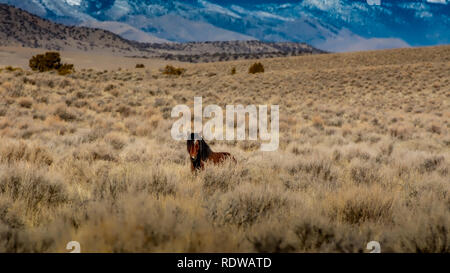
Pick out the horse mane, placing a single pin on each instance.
(204, 149)
(204, 152)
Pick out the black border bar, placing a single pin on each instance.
(170, 262)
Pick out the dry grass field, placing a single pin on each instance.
(364, 155)
(19, 57)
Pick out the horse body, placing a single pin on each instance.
(200, 153)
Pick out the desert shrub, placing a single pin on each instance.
(318, 122)
(27, 80)
(430, 164)
(14, 89)
(14, 240)
(33, 186)
(9, 216)
(160, 102)
(26, 102)
(45, 62)
(3, 111)
(15, 152)
(220, 179)
(247, 145)
(125, 110)
(271, 240)
(256, 68)
(116, 140)
(162, 182)
(64, 113)
(435, 129)
(140, 66)
(400, 131)
(314, 234)
(102, 152)
(246, 205)
(66, 69)
(171, 70)
(336, 122)
(109, 87)
(316, 167)
(12, 69)
(134, 179)
(364, 173)
(358, 205)
(48, 62)
(427, 234)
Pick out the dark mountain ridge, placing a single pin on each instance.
(20, 28)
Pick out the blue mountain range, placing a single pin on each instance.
(334, 25)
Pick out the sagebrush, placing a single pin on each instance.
(364, 156)
(50, 61)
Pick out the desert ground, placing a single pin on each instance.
(364, 155)
(19, 57)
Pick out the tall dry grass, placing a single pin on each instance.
(364, 155)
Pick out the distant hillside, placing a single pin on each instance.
(20, 28)
(125, 31)
(231, 50)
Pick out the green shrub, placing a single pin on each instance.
(171, 70)
(256, 68)
(48, 62)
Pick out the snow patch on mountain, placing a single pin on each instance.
(438, 1)
(318, 22)
(218, 9)
(73, 2)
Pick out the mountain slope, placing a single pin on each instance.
(125, 31)
(231, 50)
(177, 28)
(335, 25)
(20, 28)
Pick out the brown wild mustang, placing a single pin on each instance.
(199, 153)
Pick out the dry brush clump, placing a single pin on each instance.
(364, 155)
(256, 68)
(50, 61)
(172, 70)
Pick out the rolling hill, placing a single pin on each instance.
(20, 28)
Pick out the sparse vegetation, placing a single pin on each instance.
(26, 102)
(171, 70)
(65, 69)
(364, 155)
(256, 68)
(12, 69)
